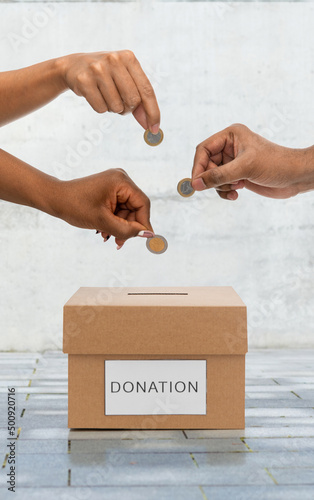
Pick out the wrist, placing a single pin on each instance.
(49, 197)
(62, 65)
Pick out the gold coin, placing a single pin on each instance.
(185, 188)
(157, 244)
(153, 139)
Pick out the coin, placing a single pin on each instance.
(157, 244)
(185, 188)
(153, 139)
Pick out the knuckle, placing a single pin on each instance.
(97, 67)
(81, 79)
(129, 55)
(134, 101)
(146, 200)
(148, 91)
(122, 173)
(239, 127)
(113, 58)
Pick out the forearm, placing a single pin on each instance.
(20, 183)
(25, 90)
(306, 169)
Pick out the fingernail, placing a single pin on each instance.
(233, 186)
(97, 231)
(199, 184)
(155, 128)
(119, 246)
(106, 238)
(146, 234)
(231, 196)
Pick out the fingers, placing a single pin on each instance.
(201, 161)
(130, 216)
(105, 236)
(209, 150)
(126, 89)
(142, 214)
(131, 208)
(140, 115)
(114, 81)
(111, 96)
(228, 191)
(94, 97)
(133, 204)
(122, 228)
(147, 94)
(229, 195)
(230, 187)
(229, 173)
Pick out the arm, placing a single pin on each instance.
(237, 158)
(25, 90)
(109, 81)
(108, 201)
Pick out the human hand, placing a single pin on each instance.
(237, 158)
(108, 201)
(113, 81)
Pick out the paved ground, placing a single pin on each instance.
(273, 458)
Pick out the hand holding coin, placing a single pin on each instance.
(108, 201)
(112, 81)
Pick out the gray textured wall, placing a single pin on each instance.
(212, 64)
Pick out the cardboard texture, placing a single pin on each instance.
(192, 323)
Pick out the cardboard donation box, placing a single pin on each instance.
(156, 358)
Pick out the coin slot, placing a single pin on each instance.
(156, 293)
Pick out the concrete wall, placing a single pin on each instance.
(211, 64)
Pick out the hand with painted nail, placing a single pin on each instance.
(109, 201)
(113, 81)
(237, 158)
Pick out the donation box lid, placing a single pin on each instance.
(155, 321)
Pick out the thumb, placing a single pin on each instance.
(122, 228)
(225, 174)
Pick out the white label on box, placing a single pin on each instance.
(155, 387)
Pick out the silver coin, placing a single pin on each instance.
(185, 188)
(153, 139)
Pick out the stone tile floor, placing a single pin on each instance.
(273, 458)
